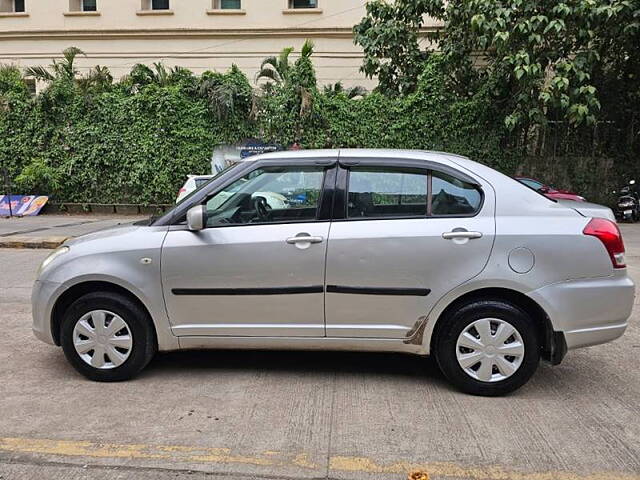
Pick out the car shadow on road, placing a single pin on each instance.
(299, 362)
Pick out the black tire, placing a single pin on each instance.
(456, 322)
(144, 340)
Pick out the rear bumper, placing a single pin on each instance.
(593, 336)
(588, 311)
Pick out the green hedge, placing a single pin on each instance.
(135, 141)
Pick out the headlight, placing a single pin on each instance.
(47, 261)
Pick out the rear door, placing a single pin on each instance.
(407, 236)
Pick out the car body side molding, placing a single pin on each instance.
(249, 291)
(400, 291)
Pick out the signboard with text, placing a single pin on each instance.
(21, 205)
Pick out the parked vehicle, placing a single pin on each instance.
(550, 191)
(375, 250)
(192, 184)
(628, 205)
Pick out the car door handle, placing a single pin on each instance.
(461, 234)
(304, 239)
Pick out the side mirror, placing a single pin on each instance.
(544, 189)
(196, 218)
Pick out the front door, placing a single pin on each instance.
(257, 269)
(409, 236)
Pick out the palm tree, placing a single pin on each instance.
(337, 89)
(224, 96)
(99, 78)
(276, 68)
(62, 69)
(159, 75)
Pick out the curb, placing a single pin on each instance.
(32, 242)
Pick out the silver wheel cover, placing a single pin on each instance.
(102, 339)
(490, 350)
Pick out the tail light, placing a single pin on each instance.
(181, 191)
(609, 234)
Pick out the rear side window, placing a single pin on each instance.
(383, 192)
(394, 192)
(452, 196)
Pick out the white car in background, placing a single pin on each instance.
(194, 182)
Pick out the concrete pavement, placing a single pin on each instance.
(49, 231)
(308, 415)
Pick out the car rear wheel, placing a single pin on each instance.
(107, 337)
(488, 347)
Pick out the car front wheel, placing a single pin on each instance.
(488, 347)
(107, 337)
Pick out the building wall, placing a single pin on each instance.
(191, 35)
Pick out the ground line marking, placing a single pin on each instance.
(213, 455)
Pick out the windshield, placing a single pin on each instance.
(201, 183)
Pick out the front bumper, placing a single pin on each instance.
(588, 311)
(41, 306)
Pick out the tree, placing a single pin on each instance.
(142, 75)
(12, 81)
(388, 34)
(59, 69)
(338, 89)
(539, 56)
(226, 94)
(99, 79)
(277, 68)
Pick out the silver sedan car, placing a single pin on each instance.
(370, 250)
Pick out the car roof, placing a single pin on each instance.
(352, 152)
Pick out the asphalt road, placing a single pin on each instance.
(308, 415)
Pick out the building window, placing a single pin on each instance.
(227, 4)
(83, 5)
(12, 6)
(303, 3)
(159, 4)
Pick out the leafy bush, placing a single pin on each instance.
(88, 139)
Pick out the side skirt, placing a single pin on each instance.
(300, 343)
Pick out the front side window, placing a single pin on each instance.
(303, 3)
(452, 196)
(160, 4)
(386, 192)
(268, 195)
